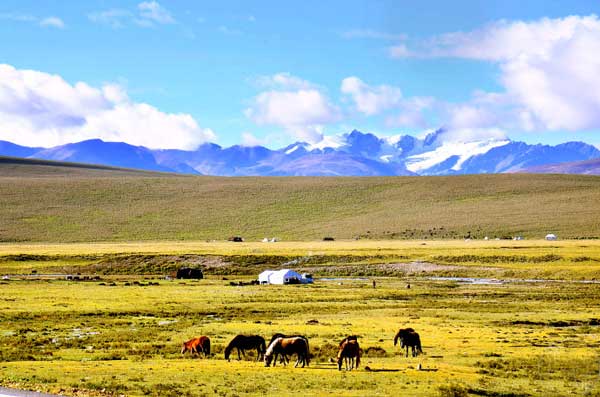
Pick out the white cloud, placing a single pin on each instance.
(17, 17)
(399, 51)
(148, 14)
(371, 100)
(115, 17)
(302, 112)
(53, 22)
(549, 69)
(152, 12)
(250, 140)
(229, 31)
(40, 109)
(283, 80)
(371, 34)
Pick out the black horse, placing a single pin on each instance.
(409, 338)
(284, 358)
(247, 342)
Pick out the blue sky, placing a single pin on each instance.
(177, 73)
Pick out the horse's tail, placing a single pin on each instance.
(419, 349)
(263, 345)
(396, 338)
(358, 358)
(206, 348)
(307, 352)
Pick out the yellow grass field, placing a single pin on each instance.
(121, 334)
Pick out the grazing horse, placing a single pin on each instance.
(288, 346)
(349, 350)
(197, 346)
(246, 342)
(409, 338)
(348, 338)
(284, 359)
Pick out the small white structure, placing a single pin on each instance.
(518, 238)
(551, 237)
(284, 276)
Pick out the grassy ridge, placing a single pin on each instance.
(58, 204)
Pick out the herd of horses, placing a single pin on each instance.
(281, 347)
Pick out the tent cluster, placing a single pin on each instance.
(284, 276)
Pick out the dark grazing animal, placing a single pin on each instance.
(187, 272)
(347, 338)
(409, 338)
(197, 346)
(288, 346)
(246, 342)
(349, 351)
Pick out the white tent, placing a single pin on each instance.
(551, 236)
(283, 276)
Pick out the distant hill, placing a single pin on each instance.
(59, 202)
(351, 154)
(589, 167)
(20, 167)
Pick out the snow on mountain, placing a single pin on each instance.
(461, 152)
(353, 153)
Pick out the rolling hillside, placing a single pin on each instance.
(58, 203)
(589, 167)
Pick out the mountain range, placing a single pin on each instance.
(354, 153)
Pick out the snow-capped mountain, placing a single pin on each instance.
(354, 153)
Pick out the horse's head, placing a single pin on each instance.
(227, 352)
(268, 359)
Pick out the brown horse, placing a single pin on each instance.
(197, 346)
(246, 342)
(409, 338)
(284, 359)
(286, 347)
(349, 350)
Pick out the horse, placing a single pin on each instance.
(349, 350)
(197, 346)
(288, 346)
(246, 342)
(409, 338)
(284, 359)
(348, 338)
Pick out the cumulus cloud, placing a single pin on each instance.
(549, 69)
(302, 112)
(40, 109)
(371, 100)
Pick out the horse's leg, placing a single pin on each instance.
(240, 357)
(406, 350)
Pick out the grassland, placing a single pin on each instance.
(40, 203)
(122, 334)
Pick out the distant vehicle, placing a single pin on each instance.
(237, 239)
(551, 237)
(328, 239)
